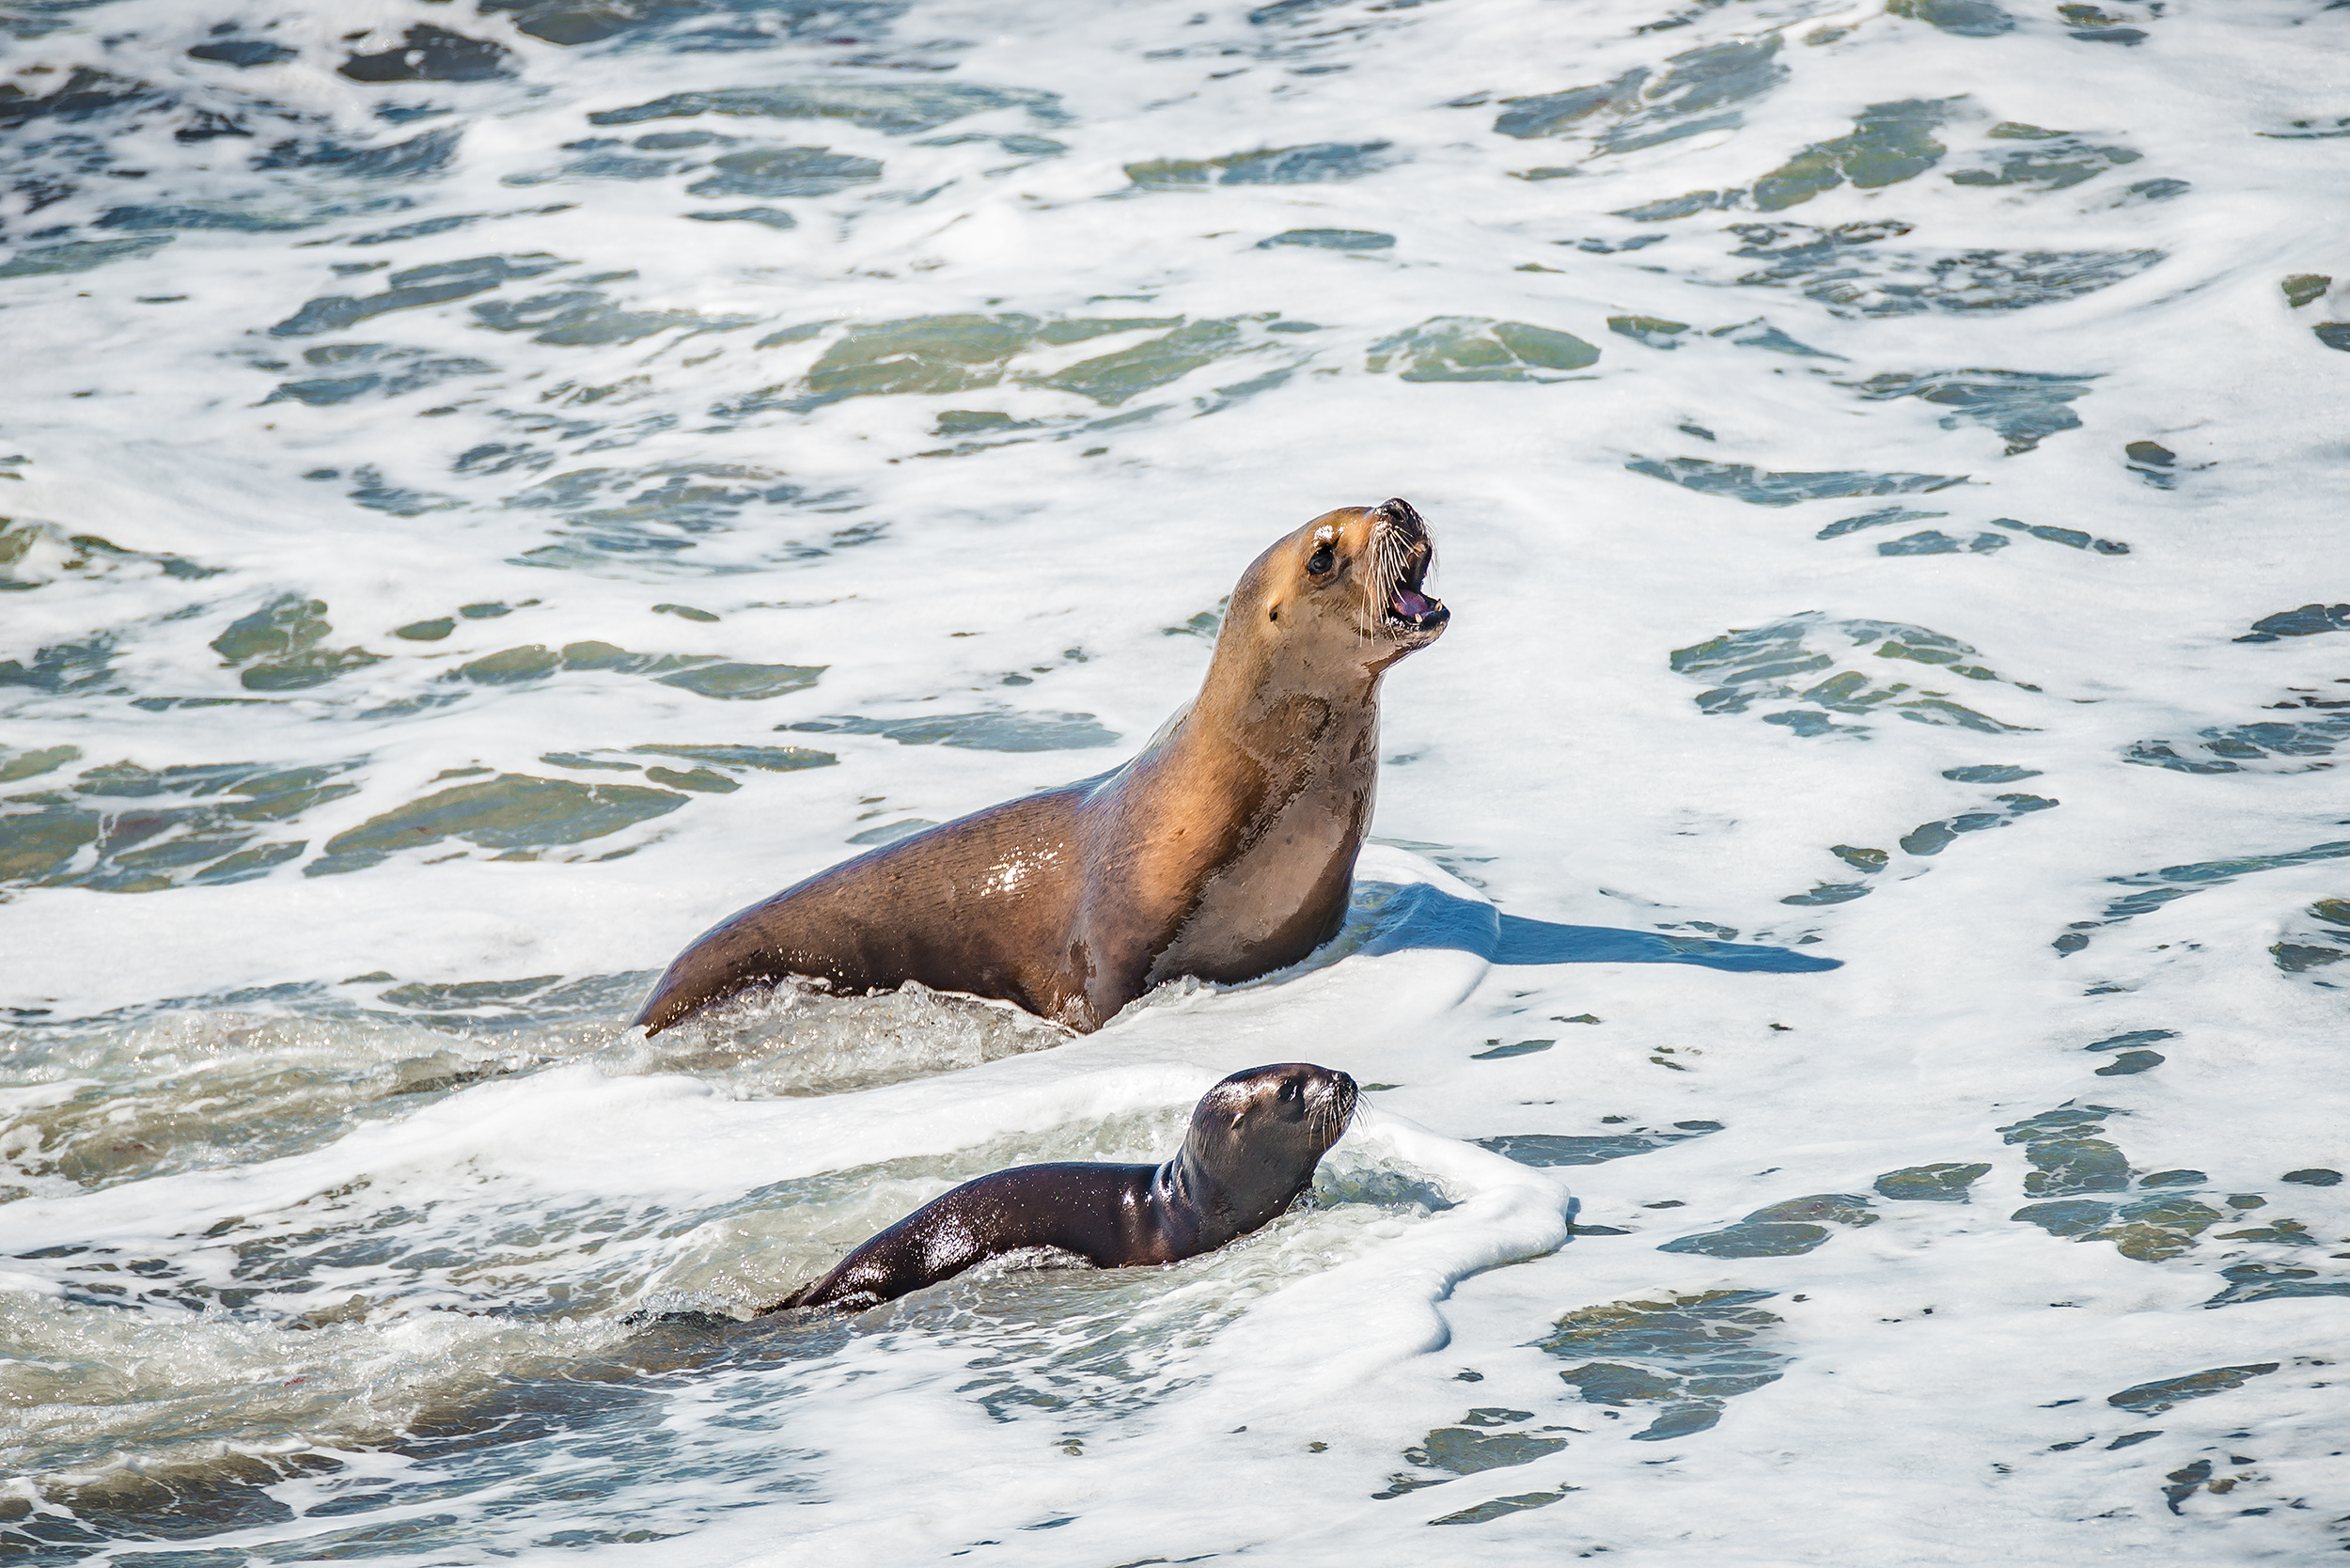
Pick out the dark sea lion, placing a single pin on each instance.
(1249, 1154)
(1224, 850)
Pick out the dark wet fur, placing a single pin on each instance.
(1249, 1154)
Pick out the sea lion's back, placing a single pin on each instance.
(957, 907)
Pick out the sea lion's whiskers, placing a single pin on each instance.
(1332, 1112)
(1387, 566)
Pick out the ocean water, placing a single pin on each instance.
(1851, 981)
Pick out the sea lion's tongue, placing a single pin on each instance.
(1411, 604)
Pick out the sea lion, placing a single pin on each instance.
(1224, 850)
(1249, 1154)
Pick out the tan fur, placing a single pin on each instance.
(1226, 849)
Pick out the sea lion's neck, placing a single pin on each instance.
(1197, 1210)
(1265, 726)
(1247, 669)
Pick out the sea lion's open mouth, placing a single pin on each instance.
(1405, 549)
(1413, 607)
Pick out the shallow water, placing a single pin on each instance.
(492, 489)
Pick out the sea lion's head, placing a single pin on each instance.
(1356, 576)
(1257, 1135)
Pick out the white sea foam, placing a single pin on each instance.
(1881, 467)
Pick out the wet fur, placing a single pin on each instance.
(1249, 1154)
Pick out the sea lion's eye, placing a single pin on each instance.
(1321, 561)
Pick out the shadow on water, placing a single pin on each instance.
(1524, 941)
(1425, 917)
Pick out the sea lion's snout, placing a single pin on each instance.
(1330, 1106)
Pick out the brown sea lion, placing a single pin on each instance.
(1251, 1152)
(1224, 850)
